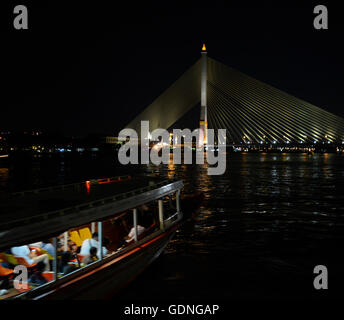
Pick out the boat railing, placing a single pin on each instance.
(173, 217)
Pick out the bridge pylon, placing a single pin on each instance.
(203, 117)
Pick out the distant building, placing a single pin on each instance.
(111, 140)
(114, 140)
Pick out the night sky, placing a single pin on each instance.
(90, 67)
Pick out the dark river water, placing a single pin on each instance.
(262, 228)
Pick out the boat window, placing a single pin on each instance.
(170, 209)
(25, 267)
(119, 230)
(79, 247)
(30, 266)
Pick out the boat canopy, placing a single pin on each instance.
(33, 215)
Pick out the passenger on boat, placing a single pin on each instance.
(90, 257)
(88, 243)
(3, 292)
(31, 257)
(65, 267)
(64, 243)
(61, 244)
(5, 273)
(36, 277)
(72, 247)
(46, 245)
(130, 236)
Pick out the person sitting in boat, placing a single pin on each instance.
(5, 274)
(65, 266)
(46, 245)
(72, 247)
(36, 277)
(130, 236)
(62, 245)
(89, 243)
(91, 257)
(31, 257)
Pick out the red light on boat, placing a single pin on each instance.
(88, 186)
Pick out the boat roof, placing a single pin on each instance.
(34, 215)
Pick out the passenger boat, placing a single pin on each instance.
(70, 214)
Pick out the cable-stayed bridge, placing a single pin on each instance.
(250, 110)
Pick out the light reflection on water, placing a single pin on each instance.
(268, 220)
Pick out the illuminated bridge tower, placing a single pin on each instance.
(203, 119)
